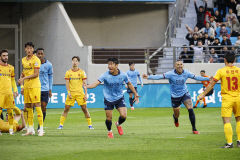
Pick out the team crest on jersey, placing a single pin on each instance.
(29, 64)
(36, 64)
(227, 72)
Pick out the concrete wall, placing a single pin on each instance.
(47, 26)
(119, 25)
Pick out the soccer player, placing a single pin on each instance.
(75, 82)
(133, 75)
(32, 88)
(46, 79)
(113, 81)
(230, 91)
(8, 87)
(179, 92)
(205, 84)
(5, 126)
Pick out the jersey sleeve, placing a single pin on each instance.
(101, 78)
(198, 78)
(84, 76)
(139, 77)
(50, 76)
(67, 76)
(126, 78)
(37, 63)
(217, 76)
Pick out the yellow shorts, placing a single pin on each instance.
(32, 95)
(17, 110)
(7, 101)
(79, 98)
(229, 106)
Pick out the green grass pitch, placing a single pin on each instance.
(149, 133)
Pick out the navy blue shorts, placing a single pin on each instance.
(117, 104)
(176, 102)
(44, 96)
(130, 91)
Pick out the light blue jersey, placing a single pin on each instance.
(177, 81)
(46, 76)
(113, 85)
(133, 76)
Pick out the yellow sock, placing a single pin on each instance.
(62, 119)
(228, 132)
(10, 118)
(30, 116)
(25, 114)
(89, 121)
(17, 110)
(40, 116)
(238, 130)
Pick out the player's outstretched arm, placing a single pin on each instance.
(153, 77)
(136, 97)
(93, 85)
(85, 88)
(208, 89)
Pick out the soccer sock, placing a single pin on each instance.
(228, 132)
(175, 119)
(44, 116)
(25, 115)
(89, 121)
(30, 117)
(196, 103)
(40, 116)
(1, 115)
(192, 118)
(204, 101)
(10, 118)
(109, 125)
(238, 130)
(121, 120)
(62, 119)
(131, 101)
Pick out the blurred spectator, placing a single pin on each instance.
(198, 52)
(221, 5)
(218, 17)
(238, 10)
(221, 56)
(213, 56)
(190, 30)
(232, 4)
(223, 30)
(237, 43)
(186, 55)
(235, 28)
(200, 14)
(226, 41)
(230, 16)
(217, 45)
(213, 24)
(209, 30)
(192, 38)
(207, 16)
(207, 40)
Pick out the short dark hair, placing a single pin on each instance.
(3, 51)
(130, 63)
(40, 49)
(202, 71)
(29, 44)
(230, 57)
(76, 57)
(113, 59)
(200, 7)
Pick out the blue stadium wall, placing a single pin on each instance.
(151, 95)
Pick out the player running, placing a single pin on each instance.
(230, 91)
(205, 84)
(32, 88)
(8, 88)
(179, 92)
(113, 94)
(133, 75)
(75, 82)
(46, 79)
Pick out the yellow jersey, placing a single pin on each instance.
(230, 80)
(6, 77)
(4, 126)
(76, 80)
(28, 69)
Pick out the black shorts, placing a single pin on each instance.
(210, 93)
(176, 102)
(117, 104)
(44, 96)
(130, 91)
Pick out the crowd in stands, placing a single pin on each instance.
(217, 31)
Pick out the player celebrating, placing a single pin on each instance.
(75, 82)
(46, 79)
(7, 83)
(205, 84)
(179, 92)
(230, 91)
(32, 88)
(113, 94)
(133, 74)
